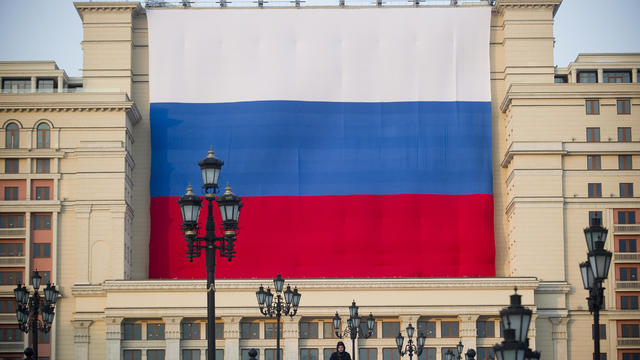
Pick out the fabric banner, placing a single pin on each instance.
(358, 139)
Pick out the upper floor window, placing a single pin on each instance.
(43, 134)
(308, 330)
(626, 189)
(11, 221)
(593, 107)
(249, 330)
(158, 354)
(631, 356)
(628, 274)
(46, 85)
(624, 134)
(616, 76)
(132, 354)
(593, 215)
(42, 193)
(626, 217)
(16, 85)
(594, 190)
(449, 329)
(588, 76)
(627, 245)
(328, 332)
(593, 134)
(309, 354)
(191, 331)
(560, 79)
(43, 166)
(629, 302)
(155, 331)
(624, 162)
(11, 166)
(485, 329)
(593, 162)
(11, 193)
(12, 140)
(428, 328)
(270, 330)
(390, 329)
(41, 222)
(624, 106)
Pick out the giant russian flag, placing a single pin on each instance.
(359, 139)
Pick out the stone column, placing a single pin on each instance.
(291, 329)
(468, 331)
(33, 84)
(81, 338)
(532, 331)
(172, 337)
(231, 337)
(114, 330)
(600, 75)
(634, 75)
(559, 336)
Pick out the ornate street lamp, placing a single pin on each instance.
(594, 272)
(411, 347)
(451, 355)
(229, 206)
(515, 325)
(29, 309)
(270, 306)
(353, 326)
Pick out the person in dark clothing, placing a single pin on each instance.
(340, 354)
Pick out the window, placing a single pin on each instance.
(41, 222)
(445, 350)
(16, 85)
(627, 245)
(390, 354)
(485, 353)
(616, 76)
(11, 166)
(428, 354)
(245, 354)
(42, 166)
(7, 306)
(327, 331)
(624, 107)
(631, 356)
(43, 135)
(308, 354)
(629, 302)
(449, 329)
(11, 193)
(156, 355)
(628, 274)
(603, 331)
(629, 330)
(624, 134)
(270, 354)
(249, 331)
(589, 77)
(11, 249)
(12, 140)
(595, 190)
(603, 356)
(44, 337)
(624, 162)
(190, 331)
(42, 193)
(390, 329)
(46, 277)
(270, 331)
(560, 79)
(485, 329)
(308, 330)
(191, 354)
(626, 217)
(593, 162)
(365, 329)
(46, 85)
(219, 331)
(326, 353)
(131, 331)
(10, 277)
(10, 334)
(368, 354)
(626, 190)
(42, 250)
(593, 134)
(11, 221)
(155, 331)
(428, 328)
(593, 107)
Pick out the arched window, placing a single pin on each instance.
(43, 136)
(13, 136)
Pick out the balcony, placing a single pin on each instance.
(12, 233)
(631, 285)
(627, 257)
(626, 228)
(11, 261)
(12, 347)
(629, 342)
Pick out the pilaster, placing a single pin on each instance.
(232, 336)
(81, 338)
(82, 249)
(172, 337)
(559, 337)
(291, 329)
(114, 334)
(468, 330)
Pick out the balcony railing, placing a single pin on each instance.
(12, 233)
(13, 347)
(629, 342)
(628, 284)
(626, 228)
(11, 260)
(627, 256)
(303, 3)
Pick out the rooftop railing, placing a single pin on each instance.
(308, 3)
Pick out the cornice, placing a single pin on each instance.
(134, 7)
(500, 5)
(568, 148)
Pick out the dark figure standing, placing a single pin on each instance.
(340, 354)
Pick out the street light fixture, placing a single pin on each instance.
(594, 272)
(229, 206)
(270, 306)
(411, 348)
(29, 309)
(353, 326)
(515, 325)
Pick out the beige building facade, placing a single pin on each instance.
(76, 155)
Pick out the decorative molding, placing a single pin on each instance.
(468, 327)
(114, 329)
(232, 327)
(559, 327)
(81, 333)
(172, 327)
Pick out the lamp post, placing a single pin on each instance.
(270, 306)
(229, 205)
(594, 272)
(450, 355)
(29, 309)
(353, 326)
(515, 324)
(411, 347)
